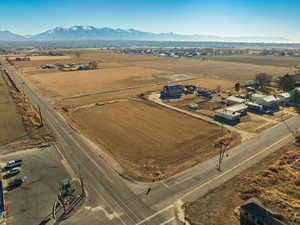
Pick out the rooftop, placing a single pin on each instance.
(257, 209)
(236, 99)
(236, 108)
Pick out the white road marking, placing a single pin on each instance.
(110, 216)
(168, 221)
(167, 186)
(155, 214)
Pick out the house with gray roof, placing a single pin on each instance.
(253, 212)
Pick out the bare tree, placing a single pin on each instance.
(93, 65)
(287, 82)
(237, 86)
(219, 90)
(262, 79)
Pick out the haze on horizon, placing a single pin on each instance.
(236, 18)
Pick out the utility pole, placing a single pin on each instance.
(223, 146)
(81, 180)
(41, 118)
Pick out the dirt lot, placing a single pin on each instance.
(213, 69)
(275, 181)
(147, 138)
(70, 83)
(279, 116)
(11, 125)
(32, 201)
(253, 124)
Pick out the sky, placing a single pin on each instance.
(267, 18)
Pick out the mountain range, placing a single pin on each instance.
(93, 33)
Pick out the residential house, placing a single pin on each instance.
(255, 213)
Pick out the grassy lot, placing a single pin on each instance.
(11, 125)
(275, 181)
(280, 61)
(33, 200)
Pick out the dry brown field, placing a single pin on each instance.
(147, 139)
(84, 58)
(121, 71)
(213, 69)
(119, 58)
(11, 125)
(281, 61)
(46, 58)
(71, 83)
(97, 98)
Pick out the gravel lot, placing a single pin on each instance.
(31, 202)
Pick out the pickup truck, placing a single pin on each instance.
(12, 172)
(12, 164)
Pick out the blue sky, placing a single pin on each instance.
(216, 17)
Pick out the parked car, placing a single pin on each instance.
(17, 181)
(12, 172)
(12, 164)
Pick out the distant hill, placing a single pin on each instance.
(9, 36)
(93, 33)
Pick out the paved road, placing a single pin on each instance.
(123, 202)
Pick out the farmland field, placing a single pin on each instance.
(70, 83)
(279, 61)
(213, 69)
(11, 125)
(84, 58)
(97, 98)
(147, 139)
(120, 70)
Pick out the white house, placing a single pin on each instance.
(235, 100)
(264, 100)
(240, 108)
(284, 97)
(228, 115)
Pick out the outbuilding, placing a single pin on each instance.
(240, 108)
(172, 91)
(284, 97)
(255, 213)
(254, 107)
(264, 100)
(227, 115)
(235, 100)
